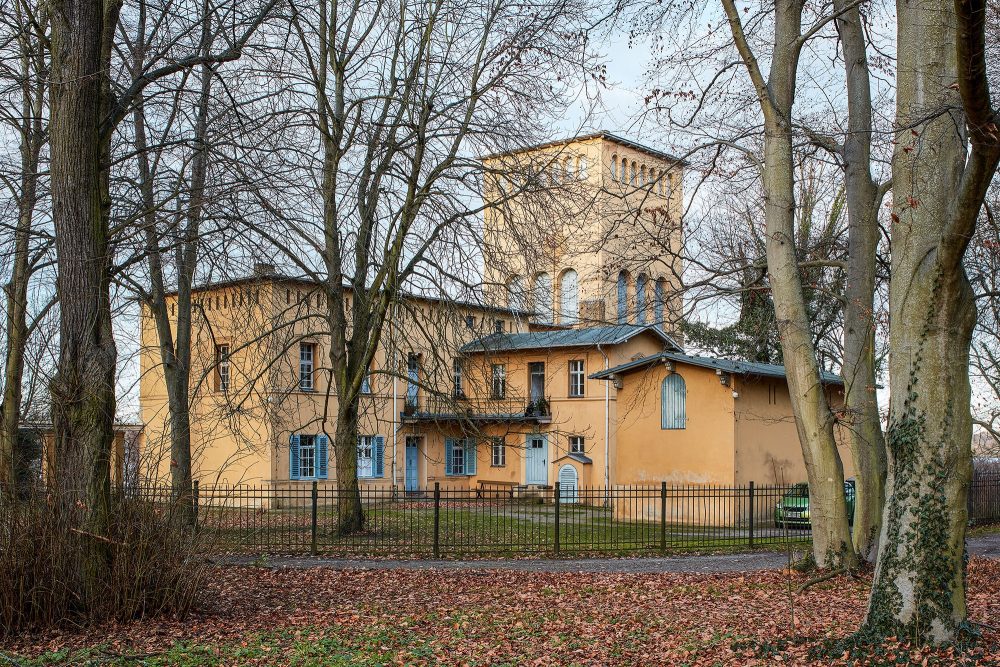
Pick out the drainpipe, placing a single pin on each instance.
(395, 411)
(607, 427)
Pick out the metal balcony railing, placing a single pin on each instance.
(450, 408)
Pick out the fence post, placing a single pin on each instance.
(195, 501)
(750, 539)
(663, 517)
(437, 519)
(315, 515)
(555, 547)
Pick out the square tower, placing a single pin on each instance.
(585, 231)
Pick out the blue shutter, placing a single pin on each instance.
(293, 457)
(673, 402)
(378, 453)
(322, 447)
(470, 456)
(449, 445)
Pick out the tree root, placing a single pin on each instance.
(823, 577)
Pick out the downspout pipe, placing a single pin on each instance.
(607, 429)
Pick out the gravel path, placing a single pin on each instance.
(987, 546)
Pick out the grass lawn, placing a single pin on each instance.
(259, 616)
(491, 528)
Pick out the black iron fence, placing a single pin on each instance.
(509, 521)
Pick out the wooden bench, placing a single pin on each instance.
(486, 486)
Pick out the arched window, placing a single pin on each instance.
(516, 293)
(659, 299)
(569, 298)
(581, 167)
(640, 298)
(568, 167)
(614, 167)
(623, 297)
(673, 402)
(642, 176)
(543, 298)
(633, 174)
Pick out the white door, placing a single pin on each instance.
(536, 460)
(568, 488)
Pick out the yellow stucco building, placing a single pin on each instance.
(568, 368)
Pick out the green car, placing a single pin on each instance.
(793, 509)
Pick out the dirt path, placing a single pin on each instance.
(987, 546)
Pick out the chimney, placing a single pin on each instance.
(263, 270)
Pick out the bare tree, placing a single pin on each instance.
(405, 99)
(946, 153)
(23, 69)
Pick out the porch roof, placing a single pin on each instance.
(586, 337)
(726, 365)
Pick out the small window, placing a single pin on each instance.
(581, 167)
(673, 402)
(576, 378)
(614, 167)
(222, 367)
(370, 456)
(458, 390)
(307, 366)
(412, 379)
(576, 445)
(499, 388)
(307, 456)
(470, 322)
(498, 326)
(499, 448)
(460, 456)
(366, 383)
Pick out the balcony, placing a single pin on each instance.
(437, 408)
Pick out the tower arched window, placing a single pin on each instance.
(569, 297)
(614, 167)
(543, 298)
(581, 167)
(659, 302)
(516, 293)
(623, 297)
(642, 176)
(640, 298)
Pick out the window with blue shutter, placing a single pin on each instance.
(293, 457)
(322, 452)
(470, 456)
(673, 402)
(449, 448)
(379, 456)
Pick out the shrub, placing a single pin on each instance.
(151, 565)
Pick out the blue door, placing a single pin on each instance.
(536, 460)
(412, 460)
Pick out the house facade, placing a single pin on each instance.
(549, 376)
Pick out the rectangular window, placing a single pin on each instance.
(576, 445)
(412, 376)
(307, 456)
(536, 381)
(458, 392)
(499, 389)
(458, 458)
(470, 322)
(222, 367)
(576, 378)
(366, 383)
(498, 326)
(307, 366)
(366, 456)
(499, 453)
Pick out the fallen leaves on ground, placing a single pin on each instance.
(490, 617)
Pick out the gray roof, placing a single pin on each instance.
(726, 365)
(605, 335)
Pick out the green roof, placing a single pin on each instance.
(586, 337)
(725, 365)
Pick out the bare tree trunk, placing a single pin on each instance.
(813, 418)
(32, 136)
(864, 428)
(350, 513)
(938, 189)
(83, 390)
